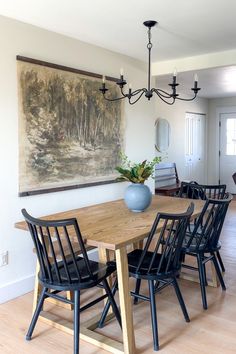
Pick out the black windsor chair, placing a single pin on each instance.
(193, 190)
(203, 241)
(234, 177)
(68, 272)
(159, 264)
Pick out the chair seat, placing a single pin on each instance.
(168, 189)
(99, 272)
(133, 261)
(195, 244)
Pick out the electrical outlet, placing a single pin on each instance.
(3, 259)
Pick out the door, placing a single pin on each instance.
(195, 125)
(228, 150)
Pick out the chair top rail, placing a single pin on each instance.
(165, 177)
(163, 165)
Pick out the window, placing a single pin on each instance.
(231, 136)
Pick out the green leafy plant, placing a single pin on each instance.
(136, 172)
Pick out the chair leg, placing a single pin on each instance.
(220, 261)
(204, 272)
(202, 280)
(217, 268)
(107, 306)
(157, 285)
(137, 290)
(76, 320)
(153, 314)
(112, 301)
(181, 300)
(36, 314)
(182, 257)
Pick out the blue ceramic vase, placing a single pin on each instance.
(138, 197)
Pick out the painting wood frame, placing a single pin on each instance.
(69, 136)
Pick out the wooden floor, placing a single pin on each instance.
(211, 331)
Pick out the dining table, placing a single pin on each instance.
(111, 226)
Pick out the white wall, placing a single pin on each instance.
(22, 39)
(175, 114)
(197, 62)
(216, 106)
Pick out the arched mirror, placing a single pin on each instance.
(162, 134)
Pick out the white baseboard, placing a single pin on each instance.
(17, 288)
(22, 286)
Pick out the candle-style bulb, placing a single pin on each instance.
(121, 72)
(195, 78)
(175, 72)
(103, 79)
(130, 86)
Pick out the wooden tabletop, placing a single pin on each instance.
(111, 225)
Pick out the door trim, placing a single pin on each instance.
(219, 111)
(205, 141)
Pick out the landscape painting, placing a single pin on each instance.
(69, 136)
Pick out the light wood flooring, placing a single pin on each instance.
(212, 331)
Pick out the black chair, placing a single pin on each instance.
(203, 241)
(166, 179)
(159, 263)
(70, 273)
(194, 190)
(234, 177)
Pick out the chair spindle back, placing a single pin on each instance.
(50, 239)
(193, 190)
(207, 228)
(171, 228)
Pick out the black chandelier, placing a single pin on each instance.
(134, 96)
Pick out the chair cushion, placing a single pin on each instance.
(134, 258)
(194, 242)
(99, 272)
(195, 246)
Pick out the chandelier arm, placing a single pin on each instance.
(169, 103)
(114, 99)
(137, 99)
(162, 93)
(136, 92)
(187, 99)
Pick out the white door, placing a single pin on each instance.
(228, 150)
(195, 125)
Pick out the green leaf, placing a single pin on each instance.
(136, 172)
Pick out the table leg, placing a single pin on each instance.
(125, 301)
(138, 245)
(104, 257)
(37, 287)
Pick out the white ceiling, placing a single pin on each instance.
(186, 28)
(217, 82)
